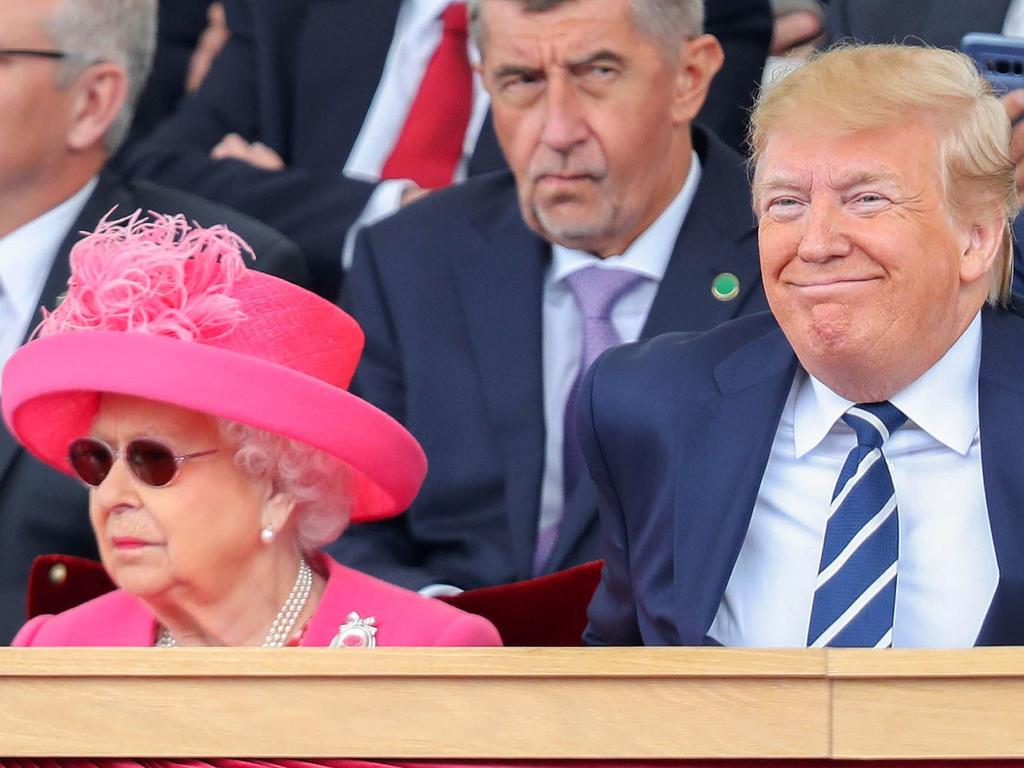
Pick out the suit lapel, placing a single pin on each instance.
(984, 15)
(1001, 414)
(110, 196)
(718, 235)
(501, 287)
(716, 489)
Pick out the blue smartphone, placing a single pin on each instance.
(1000, 59)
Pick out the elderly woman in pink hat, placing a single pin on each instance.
(205, 406)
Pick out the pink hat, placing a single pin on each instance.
(163, 311)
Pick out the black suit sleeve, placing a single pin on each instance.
(612, 611)
(315, 209)
(386, 549)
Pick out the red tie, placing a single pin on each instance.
(430, 145)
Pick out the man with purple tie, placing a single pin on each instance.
(483, 303)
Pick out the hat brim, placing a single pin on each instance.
(52, 387)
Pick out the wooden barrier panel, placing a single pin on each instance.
(540, 703)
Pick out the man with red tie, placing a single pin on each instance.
(311, 104)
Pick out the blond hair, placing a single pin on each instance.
(864, 87)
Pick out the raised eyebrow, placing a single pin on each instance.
(597, 57)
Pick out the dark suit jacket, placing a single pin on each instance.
(43, 511)
(936, 22)
(677, 433)
(450, 294)
(300, 76)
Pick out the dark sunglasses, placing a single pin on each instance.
(149, 460)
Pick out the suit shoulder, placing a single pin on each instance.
(487, 197)
(75, 626)
(207, 213)
(688, 357)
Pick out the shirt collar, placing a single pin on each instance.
(27, 253)
(943, 401)
(650, 252)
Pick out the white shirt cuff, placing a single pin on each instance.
(440, 590)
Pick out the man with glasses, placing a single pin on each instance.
(70, 72)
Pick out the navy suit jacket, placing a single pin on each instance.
(300, 75)
(677, 433)
(41, 510)
(937, 22)
(449, 293)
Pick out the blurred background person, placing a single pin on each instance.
(189, 35)
(204, 405)
(72, 70)
(320, 118)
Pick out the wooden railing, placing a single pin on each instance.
(614, 703)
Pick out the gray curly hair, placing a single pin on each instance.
(316, 482)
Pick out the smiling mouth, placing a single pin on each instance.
(834, 282)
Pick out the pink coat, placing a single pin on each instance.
(402, 618)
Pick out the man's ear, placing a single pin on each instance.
(983, 246)
(699, 61)
(100, 92)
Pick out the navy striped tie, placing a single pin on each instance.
(855, 593)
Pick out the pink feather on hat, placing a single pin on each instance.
(161, 277)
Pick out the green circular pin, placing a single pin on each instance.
(725, 286)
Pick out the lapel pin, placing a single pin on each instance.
(725, 286)
(356, 633)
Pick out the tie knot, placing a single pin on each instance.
(874, 422)
(455, 18)
(597, 289)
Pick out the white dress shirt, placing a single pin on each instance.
(26, 256)
(947, 564)
(417, 35)
(562, 321)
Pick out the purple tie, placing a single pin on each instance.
(597, 290)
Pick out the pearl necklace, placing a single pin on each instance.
(284, 623)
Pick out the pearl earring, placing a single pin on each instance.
(267, 534)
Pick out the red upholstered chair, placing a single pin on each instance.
(549, 610)
(59, 582)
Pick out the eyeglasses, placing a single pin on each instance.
(39, 54)
(149, 460)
